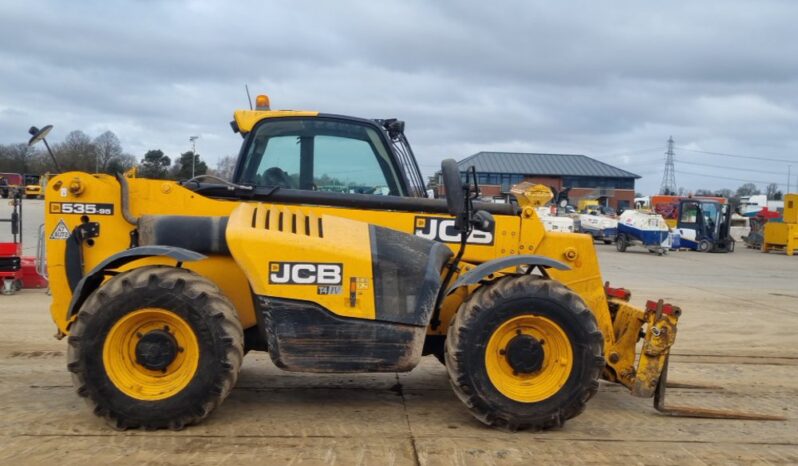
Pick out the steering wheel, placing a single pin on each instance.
(275, 176)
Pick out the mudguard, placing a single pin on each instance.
(92, 280)
(481, 271)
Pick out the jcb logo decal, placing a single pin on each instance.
(305, 273)
(442, 229)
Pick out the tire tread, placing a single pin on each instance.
(482, 300)
(179, 281)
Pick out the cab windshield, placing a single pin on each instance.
(320, 155)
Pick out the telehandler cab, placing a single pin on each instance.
(324, 251)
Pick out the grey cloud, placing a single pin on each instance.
(520, 75)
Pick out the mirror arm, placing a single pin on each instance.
(435, 321)
(465, 231)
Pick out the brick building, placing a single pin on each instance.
(587, 177)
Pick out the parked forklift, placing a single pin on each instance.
(163, 286)
(704, 225)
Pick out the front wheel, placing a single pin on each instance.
(524, 352)
(155, 347)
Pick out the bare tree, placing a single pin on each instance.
(107, 148)
(771, 190)
(748, 189)
(725, 192)
(75, 153)
(225, 167)
(18, 158)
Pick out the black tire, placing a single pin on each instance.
(704, 246)
(206, 311)
(607, 241)
(485, 311)
(620, 243)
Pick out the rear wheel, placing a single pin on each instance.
(704, 246)
(620, 243)
(524, 352)
(155, 347)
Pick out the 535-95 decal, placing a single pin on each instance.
(81, 208)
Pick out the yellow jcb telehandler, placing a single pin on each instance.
(325, 251)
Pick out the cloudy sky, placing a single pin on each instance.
(610, 80)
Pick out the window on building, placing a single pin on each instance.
(597, 182)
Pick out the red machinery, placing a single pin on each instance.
(17, 271)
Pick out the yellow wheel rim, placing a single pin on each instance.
(556, 365)
(137, 381)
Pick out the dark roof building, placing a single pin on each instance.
(588, 178)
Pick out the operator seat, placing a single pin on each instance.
(277, 177)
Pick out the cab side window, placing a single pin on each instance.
(347, 165)
(321, 155)
(689, 213)
(282, 156)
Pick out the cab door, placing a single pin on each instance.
(691, 220)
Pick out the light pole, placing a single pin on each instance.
(193, 141)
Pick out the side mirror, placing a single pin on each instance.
(38, 134)
(455, 195)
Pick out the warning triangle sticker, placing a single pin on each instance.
(61, 231)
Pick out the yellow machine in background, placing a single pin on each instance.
(324, 251)
(783, 236)
(34, 185)
(585, 203)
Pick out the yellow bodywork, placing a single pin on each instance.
(351, 239)
(585, 203)
(522, 234)
(783, 235)
(247, 119)
(33, 190)
(73, 198)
